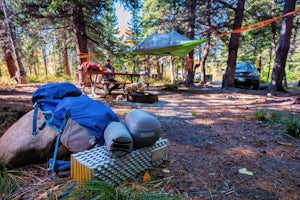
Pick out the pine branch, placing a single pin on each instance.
(227, 5)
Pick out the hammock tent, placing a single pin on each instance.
(166, 44)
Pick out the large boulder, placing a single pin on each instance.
(18, 147)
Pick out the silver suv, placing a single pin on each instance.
(245, 75)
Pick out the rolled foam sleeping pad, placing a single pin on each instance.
(118, 140)
(144, 128)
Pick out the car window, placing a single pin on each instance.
(245, 66)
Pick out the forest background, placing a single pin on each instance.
(44, 41)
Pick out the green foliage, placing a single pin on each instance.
(60, 71)
(269, 116)
(290, 122)
(8, 182)
(48, 29)
(11, 118)
(293, 126)
(171, 87)
(293, 74)
(151, 20)
(50, 79)
(94, 190)
(275, 116)
(100, 190)
(260, 115)
(264, 75)
(194, 114)
(6, 81)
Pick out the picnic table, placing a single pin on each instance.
(95, 80)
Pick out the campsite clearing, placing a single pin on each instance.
(217, 149)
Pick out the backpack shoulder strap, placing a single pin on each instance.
(34, 121)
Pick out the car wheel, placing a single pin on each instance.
(256, 86)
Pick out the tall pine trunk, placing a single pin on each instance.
(7, 50)
(13, 44)
(233, 45)
(65, 55)
(80, 33)
(282, 48)
(172, 69)
(207, 45)
(190, 33)
(273, 29)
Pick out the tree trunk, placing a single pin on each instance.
(7, 50)
(190, 33)
(202, 64)
(233, 45)
(10, 62)
(282, 48)
(273, 28)
(207, 46)
(294, 45)
(189, 69)
(65, 56)
(44, 57)
(66, 61)
(80, 33)
(159, 65)
(12, 37)
(172, 69)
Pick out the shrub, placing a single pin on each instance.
(293, 126)
(100, 190)
(8, 182)
(260, 115)
(290, 122)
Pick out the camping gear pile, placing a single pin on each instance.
(97, 163)
(84, 124)
(135, 92)
(135, 87)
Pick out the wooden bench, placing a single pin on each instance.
(94, 80)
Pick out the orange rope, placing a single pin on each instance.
(259, 24)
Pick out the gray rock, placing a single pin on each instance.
(18, 147)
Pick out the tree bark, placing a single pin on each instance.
(66, 62)
(234, 45)
(79, 28)
(172, 69)
(207, 46)
(273, 29)
(190, 33)
(43, 44)
(159, 66)
(10, 62)
(65, 55)
(13, 46)
(293, 44)
(282, 48)
(203, 62)
(7, 51)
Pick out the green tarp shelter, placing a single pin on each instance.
(166, 44)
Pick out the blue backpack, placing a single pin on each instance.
(47, 97)
(62, 101)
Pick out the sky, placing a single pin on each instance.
(123, 17)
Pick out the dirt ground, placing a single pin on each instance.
(211, 134)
